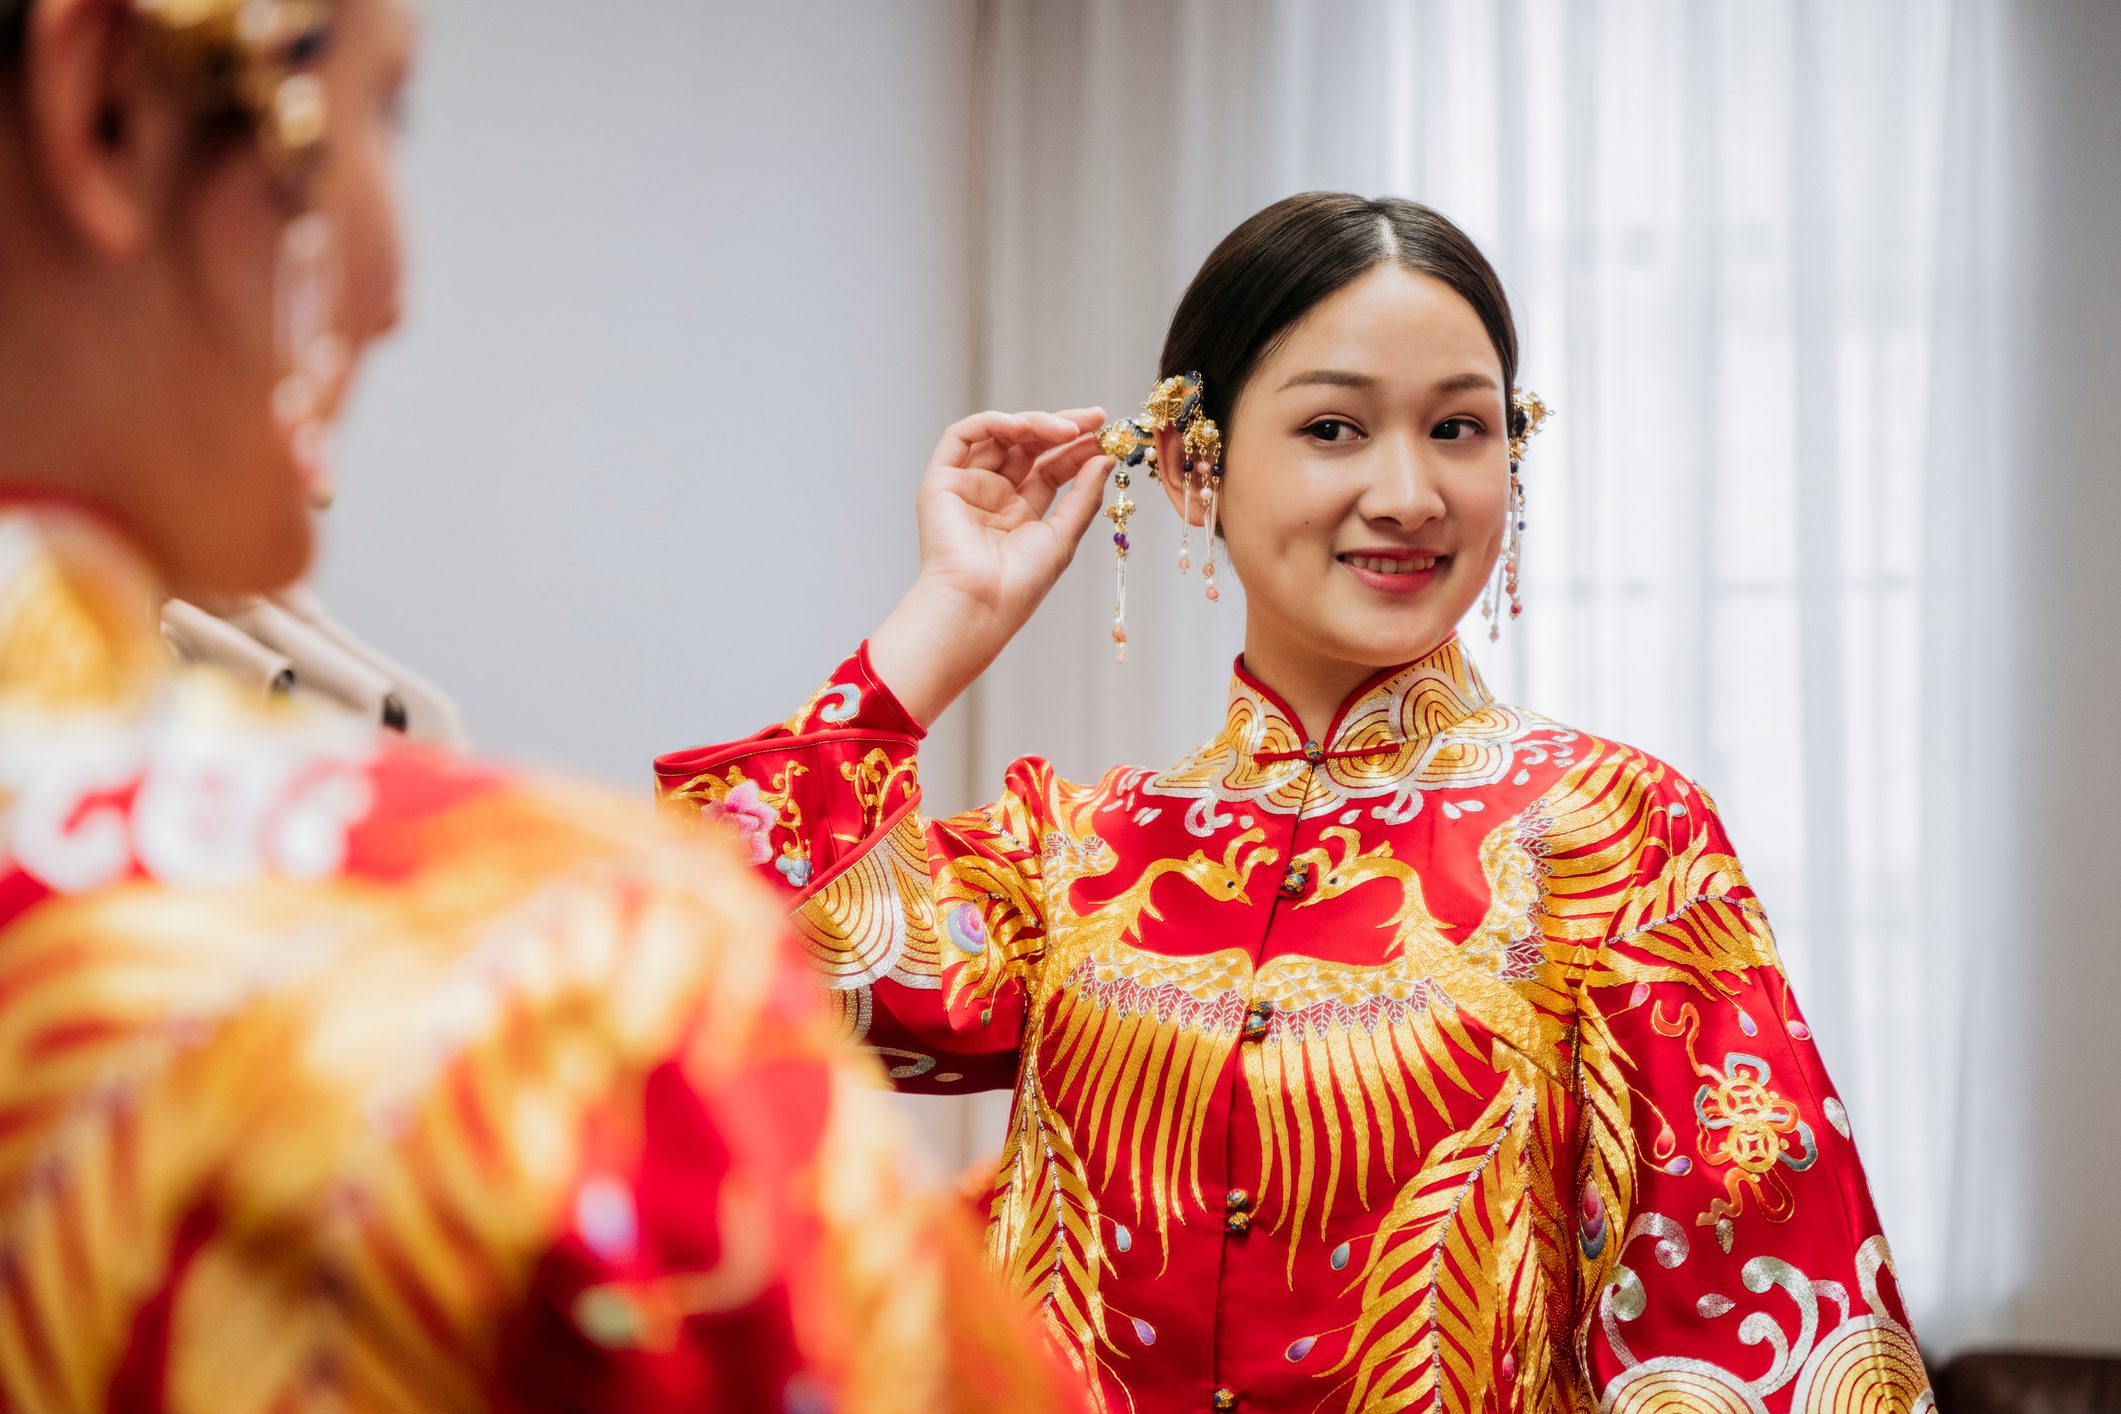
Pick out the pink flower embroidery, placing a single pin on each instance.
(753, 818)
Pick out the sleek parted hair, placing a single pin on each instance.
(1272, 270)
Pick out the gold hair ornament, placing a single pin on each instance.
(1528, 413)
(255, 59)
(252, 58)
(1175, 402)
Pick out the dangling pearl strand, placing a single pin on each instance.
(1516, 542)
(1118, 512)
(1211, 505)
(1505, 581)
(1185, 525)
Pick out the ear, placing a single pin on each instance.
(104, 127)
(1171, 471)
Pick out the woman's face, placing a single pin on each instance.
(1366, 477)
(239, 517)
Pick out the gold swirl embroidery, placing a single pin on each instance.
(1432, 726)
(1866, 1362)
(875, 919)
(873, 779)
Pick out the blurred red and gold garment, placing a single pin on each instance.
(338, 1075)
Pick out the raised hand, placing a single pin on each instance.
(1006, 500)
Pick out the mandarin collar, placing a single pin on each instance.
(1409, 703)
(79, 608)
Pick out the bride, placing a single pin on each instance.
(1399, 1048)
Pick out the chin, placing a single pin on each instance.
(1385, 640)
(1382, 646)
(1363, 627)
(244, 554)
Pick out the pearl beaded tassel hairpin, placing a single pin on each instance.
(1528, 413)
(1131, 442)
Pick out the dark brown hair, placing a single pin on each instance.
(14, 30)
(1269, 273)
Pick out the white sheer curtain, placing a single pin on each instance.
(1753, 252)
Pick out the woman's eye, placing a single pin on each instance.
(1330, 429)
(1456, 429)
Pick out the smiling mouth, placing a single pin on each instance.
(1393, 564)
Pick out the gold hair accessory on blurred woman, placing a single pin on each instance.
(1175, 403)
(1528, 413)
(254, 60)
(249, 58)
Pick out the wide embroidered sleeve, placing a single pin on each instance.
(923, 930)
(1730, 1256)
(743, 1232)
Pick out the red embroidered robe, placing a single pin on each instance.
(338, 1076)
(1442, 1063)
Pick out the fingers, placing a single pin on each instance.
(982, 490)
(1079, 507)
(1047, 431)
(961, 439)
(1010, 442)
(1087, 419)
(1054, 469)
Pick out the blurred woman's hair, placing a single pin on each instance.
(14, 27)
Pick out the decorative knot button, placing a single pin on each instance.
(1296, 880)
(1314, 753)
(1223, 1400)
(1256, 1021)
(1236, 1224)
(1237, 1201)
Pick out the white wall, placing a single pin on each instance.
(2067, 66)
(689, 307)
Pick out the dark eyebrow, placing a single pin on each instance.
(1332, 378)
(1342, 378)
(1466, 383)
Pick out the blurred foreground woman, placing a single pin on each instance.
(334, 1075)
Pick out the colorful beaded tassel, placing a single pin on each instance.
(1175, 403)
(1528, 413)
(1118, 511)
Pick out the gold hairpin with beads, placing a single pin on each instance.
(1174, 403)
(1528, 413)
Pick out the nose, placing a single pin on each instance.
(1403, 490)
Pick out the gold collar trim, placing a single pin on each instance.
(78, 609)
(1426, 726)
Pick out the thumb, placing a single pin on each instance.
(1072, 518)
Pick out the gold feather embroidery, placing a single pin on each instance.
(986, 884)
(1374, 1031)
(1141, 1037)
(1449, 1248)
(1045, 1235)
(1693, 921)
